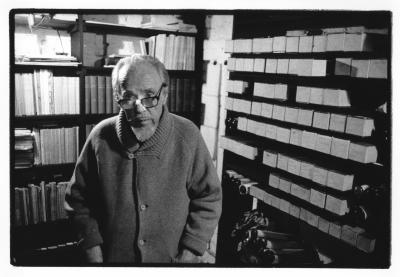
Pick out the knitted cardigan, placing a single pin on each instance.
(143, 206)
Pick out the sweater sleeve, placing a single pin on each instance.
(205, 194)
(81, 197)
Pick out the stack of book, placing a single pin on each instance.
(42, 203)
(99, 96)
(56, 146)
(182, 95)
(60, 60)
(24, 154)
(41, 93)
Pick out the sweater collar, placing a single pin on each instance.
(152, 146)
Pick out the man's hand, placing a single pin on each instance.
(94, 254)
(187, 256)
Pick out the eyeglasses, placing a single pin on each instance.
(147, 102)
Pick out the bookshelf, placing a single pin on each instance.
(267, 142)
(48, 243)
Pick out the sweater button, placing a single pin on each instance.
(143, 207)
(131, 156)
(141, 242)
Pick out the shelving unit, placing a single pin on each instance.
(366, 95)
(27, 241)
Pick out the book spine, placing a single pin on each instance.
(173, 94)
(193, 93)
(186, 95)
(53, 199)
(17, 207)
(87, 95)
(93, 94)
(101, 94)
(48, 202)
(43, 200)
(25, 205)
(109, 96)
(179, 95)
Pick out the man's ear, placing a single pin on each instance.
(165, 95)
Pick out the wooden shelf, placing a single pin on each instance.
(172, 73)
(314, 55)
(44, 121)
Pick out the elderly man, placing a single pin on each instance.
(144, 187)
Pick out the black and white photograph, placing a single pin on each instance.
(229, 138)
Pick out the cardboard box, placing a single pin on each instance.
(284, 205)
(362, 42)
(300, 192)
(270, 158)
(312, 219)
(316, 96)
(340, 181)
(304, 67)
(303, 214)
(340, 148)
(282, 162)
(274, 180)
(267, 198)
(284, 185)
(275, 201)
(259, 65)
(319, 68)
(291, 114)
(305, 117)
(337, 122)
(363, 152)
(256, 192)
(282, 134)
(264, 90)
(294, 166)
(239, 64)
(303, 94)
(317, 198)
(336, 205)
(292, 44)
(230, 86)
(242, 123)
(336, 98)
(295, 136)
(279, 44)
(321, 120)
(343, 66)
(335, 229)
(242, 45)
(256, 108)
(319, 175)
(308, 140)
(294, 211)
(228, 103)
(228, 46)
(365, 243)
(335, 42)
(231, 64)
(359, 68)
(319, 43)
(306, 169)
(293, 66)
(349, 234)
(323, 225)
(283, 66)
(323, 144)
(246, 107)
(266, 110)
(360, 126)
(262, 45)
(260, 129)
(251, 126)
(280, 92)
(270, 131)
(305, 44)
(271, 66)
(278, 112)
(248, 65)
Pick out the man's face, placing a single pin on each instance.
(143, 82)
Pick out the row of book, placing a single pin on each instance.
(347, 39)
(24, 148)
(182, 95)
(358, 68)
(41, 93)
(39, 203)
(353, 235)
(99, 95)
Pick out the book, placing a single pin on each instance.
(108, 95)
(101, 94)
(93, 95)
(87, 95)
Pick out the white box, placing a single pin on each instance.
(359, 68)
(282, 134)
(242, 123)
(294, 211)
(262, 45)
(335, 42)
(267, 198)
(251, 126)
(279, 44)
(305, 44)
(278, 112)
(360, 126)
(349, 234)
(275, 201)
(292, 44)
(231, 64)
(260, 129)
(323, 225)
(280, 91)
(282, 162)
(264, 90)
(319, 175)
(308, 140)
(306, 169)
(305, 117)
(303, 94)
(270, 131)
(360, 42)
(246, 107)
(266, 110)
(228, 46)
(365, 243)
(271, 66)
(230, 85)
(336, 205)
(294, 66)
(284, 185)
(228, 103)
(340, 181)
(304, 67)
(270, 158)
(323, 144)
(340, 148)
(312, 219)
(319, 43)
(337, 122)
(294, 166)
(274, 180)
(291, 114)
(317, 198)
(343, 66)
(319, 68)
(256, 108)
(336, 98)
(283, 66)
(303, 214)
(335, 229)
(321, 120)
(300, 192)
(295, 136)
(316, 96)
(284, 206)
(259, 65)
(363, 152)
(242, 45)
(239, 64)
(248, 65)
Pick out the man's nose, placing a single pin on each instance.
(139, 106)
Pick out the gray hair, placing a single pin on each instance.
(133, 62)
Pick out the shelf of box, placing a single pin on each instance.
(313, 55)
(46, 120)
(109, 28)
